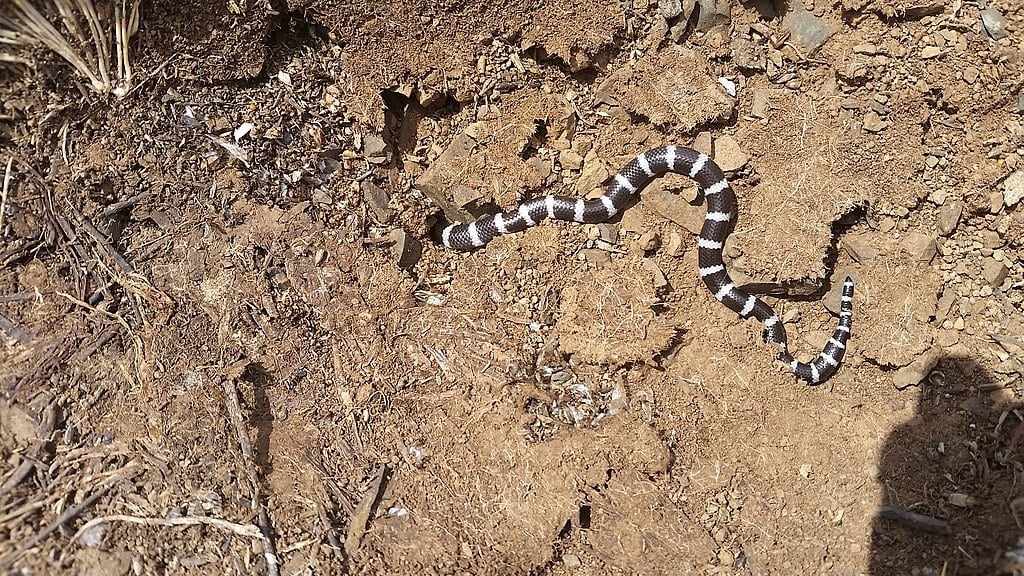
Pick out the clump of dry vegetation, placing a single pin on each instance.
(92, 38)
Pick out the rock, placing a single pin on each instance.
(648, 241)
(994, 24)
(378, 201)
(728, 154)
(570, 160)
(435, 182)
(674, 208)
(971, 74)
(1013, 189)
(658, 277)
(994, 272)
(918, 370)
(464, 195)
(406, 247)
(930, 52)
(702, 143)
(596, 257)
(920, 247)
(859, 247)
(674, 246)
(595, 171)
(373, 148)
(949, 217)
(748, 55)
(873, 123)
(806, 31)
(670, 9)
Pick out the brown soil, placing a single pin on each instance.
(220, 350)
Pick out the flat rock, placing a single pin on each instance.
(914, 373)
(406, 248)
(1013, 189)
(949, 216)
(728, 154)
(378, 201)
(806, 30)
(994, 24)
(920, 247)
(994, 272)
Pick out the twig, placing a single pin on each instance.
(68, 514)
(3, 193)
(246, 530)
(262, 518)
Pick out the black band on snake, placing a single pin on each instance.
(717, 225)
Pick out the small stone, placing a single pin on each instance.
(378, 200)
(859, 247)
(994, 24)
(920, 247)
(873, 123)
(596, 257)
(962, 500)
(670, 9)
(728, 154)
(806, 31)
(930, 52)
(949, 217)
(995, 202)
(595, 171)
(571, 562)
(971, 74)
(674, 246)
(959, 324)
(406, 247)
(648, 241)
(918, 370)
(947, 338)
(886, 225)
(702, 143)
(1013, 189)
(994, 272)
(657, 276)
(570, 160)
(866, 49)
(373, 148)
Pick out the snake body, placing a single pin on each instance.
(718, 223)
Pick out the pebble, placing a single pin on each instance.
(930, 52)
(728, 154)
(670, 9)
(571, 562)
(971, 74)
(674, 246)
(873, 123)
(378, 200)
(949, 217)
(1013, 189)
(649, 241)
(994, 272)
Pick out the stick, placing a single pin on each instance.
(3, 193)
(262, 518)
(68, 514)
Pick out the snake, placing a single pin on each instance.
(718, 224)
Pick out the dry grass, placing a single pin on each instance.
(94, 42)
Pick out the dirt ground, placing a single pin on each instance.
(229, 342)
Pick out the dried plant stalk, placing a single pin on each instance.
(89, 41)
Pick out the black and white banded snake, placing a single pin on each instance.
(718, 224)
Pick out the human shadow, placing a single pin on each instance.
(948, 478)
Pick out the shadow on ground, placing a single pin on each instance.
(948, 479)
